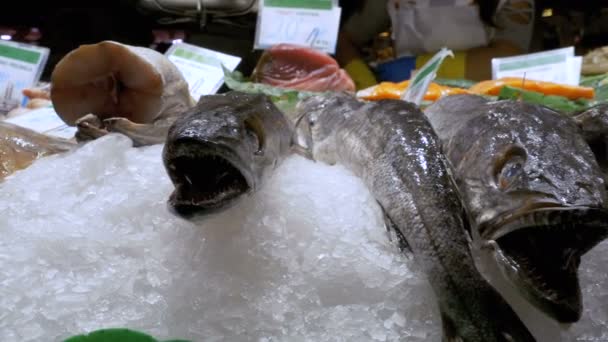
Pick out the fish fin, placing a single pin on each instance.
(393, 231)
(89, 127)
(469, 232)
(302, 151)
(305, 151)
(140, 134)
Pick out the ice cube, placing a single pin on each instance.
(398, 319)
(88, 242)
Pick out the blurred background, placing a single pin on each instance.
(229, 25)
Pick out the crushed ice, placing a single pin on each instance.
(88, 243)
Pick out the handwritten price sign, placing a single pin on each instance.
(314, 24)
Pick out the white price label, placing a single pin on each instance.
(558, 66)
(313, 27)
(202, 68)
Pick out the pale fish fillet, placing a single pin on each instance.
(132, 90)
(20, 147)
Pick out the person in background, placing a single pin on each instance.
(476, 30)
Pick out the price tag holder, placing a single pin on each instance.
(559, 66)
(202, 68)
(20, 67)
(312, 23)
(46, 121)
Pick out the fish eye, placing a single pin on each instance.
(509, 167)
(254, 126)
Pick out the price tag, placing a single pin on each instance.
(311, 23)
(44, 120)
(559, 66)
(202, 68)
(20, 67)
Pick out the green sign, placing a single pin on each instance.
(308, 4)
(193, 56)
(533, 62)
(427, 70)
(22, 55)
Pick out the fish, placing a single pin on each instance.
(301, 68)
(114, 87)
(593, 122)
(533, 189)
(392, 147)
(223, 148)
(20, 147)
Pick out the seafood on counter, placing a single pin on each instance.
(390, 90)
(558, 95)
(224, 147)
(493, 87)
(20, 147)
(113, 87)
(558, 103)
(533, 189)
(392, 147)
(301, 68)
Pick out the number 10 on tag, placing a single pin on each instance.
(305, 26)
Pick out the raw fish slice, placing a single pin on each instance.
(328, 77)
(20, 147)
(114, 80)
(301, 68)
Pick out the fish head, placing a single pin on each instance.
(537, 196)
(321, 114)
(215, 153)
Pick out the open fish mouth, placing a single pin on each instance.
(540, 251)
(205, 183)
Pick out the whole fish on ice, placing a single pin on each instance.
(533, 189)
(223, 148)
(392, 147)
